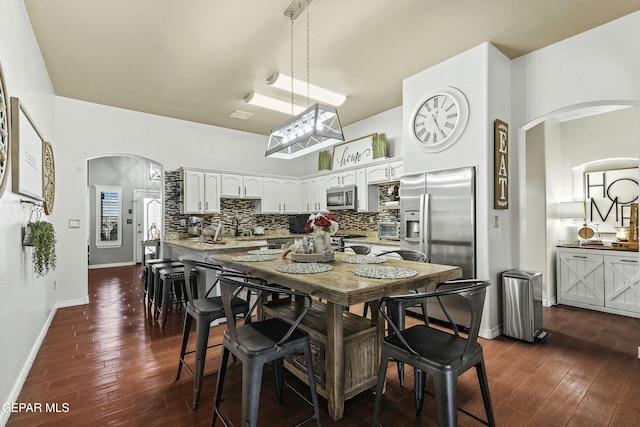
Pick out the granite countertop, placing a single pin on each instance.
(228, 244)
(606, 248)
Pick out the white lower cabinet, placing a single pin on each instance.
(621, 287)
(605, 280)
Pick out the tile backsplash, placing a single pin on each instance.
(244, 211)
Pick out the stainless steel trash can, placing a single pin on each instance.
(522, 305)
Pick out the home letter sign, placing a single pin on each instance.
(353, 153)
(501, 167)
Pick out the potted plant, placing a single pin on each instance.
(379, 146)
(42, 236)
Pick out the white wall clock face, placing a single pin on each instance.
(440, 119)
(4, 134)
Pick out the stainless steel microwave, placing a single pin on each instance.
(342, 198)
(389, 230)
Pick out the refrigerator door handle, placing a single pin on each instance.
(425, 230)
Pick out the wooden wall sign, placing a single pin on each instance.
(501, 165)
(353, 153)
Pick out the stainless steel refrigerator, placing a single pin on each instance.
(438, 217)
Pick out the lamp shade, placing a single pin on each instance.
(571, 210)
(315, 128)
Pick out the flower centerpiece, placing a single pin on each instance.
(324, 225)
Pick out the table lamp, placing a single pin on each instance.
(571, 211)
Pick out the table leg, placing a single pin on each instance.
(335, 361)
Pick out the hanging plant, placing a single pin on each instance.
(43, 240)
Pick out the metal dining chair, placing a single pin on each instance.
(261, 342)
(204, 310)
(443, 354)
(357, 249)
(397, 309)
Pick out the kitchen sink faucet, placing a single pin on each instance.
(237, 226)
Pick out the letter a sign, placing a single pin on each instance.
(501, 167)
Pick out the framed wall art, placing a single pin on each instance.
(27, 147)
(4, 134)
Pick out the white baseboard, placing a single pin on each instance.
(549, 302)
(31, 357)
(115, 264)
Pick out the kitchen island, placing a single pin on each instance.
(345, 347)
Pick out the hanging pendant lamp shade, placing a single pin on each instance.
(315, 128)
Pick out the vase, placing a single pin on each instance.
(322, 243)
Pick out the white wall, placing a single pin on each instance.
(26, 301)
(597, 67)
(482, 74)
(388, 122)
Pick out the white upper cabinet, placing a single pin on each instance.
(385, 172)
(290, 196)
(280, 196)
(306, 196)
(313, 194)
(342, 179)
(201, 192)
(321, 195)
(362, 192)
(241, 186)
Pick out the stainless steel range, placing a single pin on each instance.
(337, 240)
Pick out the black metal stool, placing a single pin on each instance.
(153, 283)
(170, 278)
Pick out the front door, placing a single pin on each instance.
(147, 213)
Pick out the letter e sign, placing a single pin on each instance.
(501, 166)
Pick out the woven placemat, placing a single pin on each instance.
(252, 258)
(385, 272)
(364, 259)
(304, 268)
(265, 251)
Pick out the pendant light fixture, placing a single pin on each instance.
(315, 128)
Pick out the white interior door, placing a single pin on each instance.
(147, 208)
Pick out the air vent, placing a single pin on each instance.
(242, 115)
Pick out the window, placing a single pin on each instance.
(108, 216)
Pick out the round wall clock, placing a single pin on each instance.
(48, 177)
(440, 119)
(4, 134)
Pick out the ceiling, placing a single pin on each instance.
(196, 60)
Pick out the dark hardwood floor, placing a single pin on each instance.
(103, 364)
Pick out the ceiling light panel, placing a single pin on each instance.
(282, 81)
(264, 101)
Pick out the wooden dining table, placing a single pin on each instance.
(345, 346)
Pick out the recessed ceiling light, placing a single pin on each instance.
(239, 114)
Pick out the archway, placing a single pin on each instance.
(115, 185)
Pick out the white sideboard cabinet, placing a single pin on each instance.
(599, 279)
